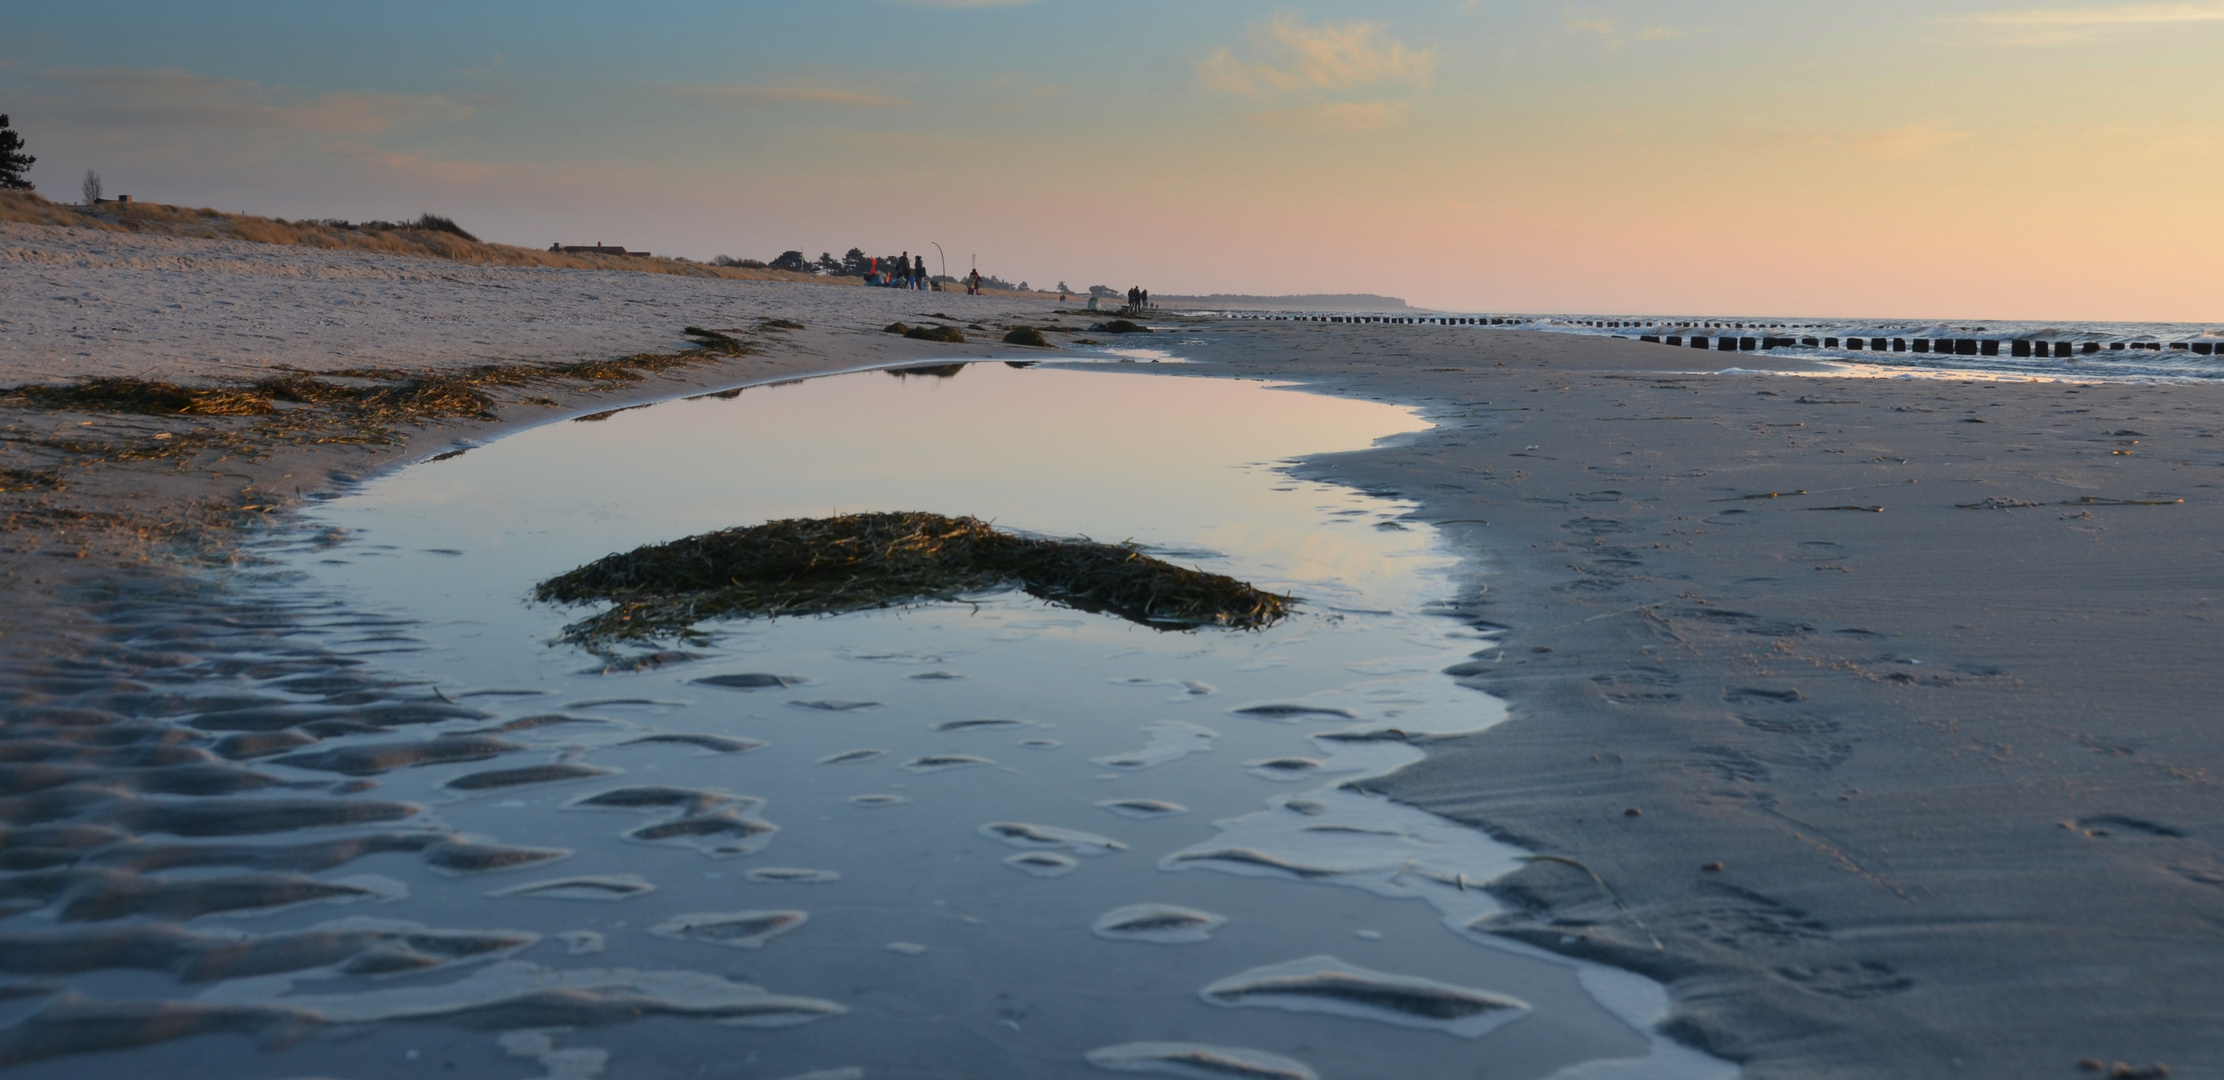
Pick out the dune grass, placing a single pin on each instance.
(858, 562)
(438, 239)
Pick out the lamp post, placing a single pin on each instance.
(945, 262)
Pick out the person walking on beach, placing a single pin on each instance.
(973, 287)
(919, 267)
(903, 269)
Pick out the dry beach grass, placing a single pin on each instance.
(155, 219)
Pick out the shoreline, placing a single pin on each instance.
(1919, 792)
(1655, 659)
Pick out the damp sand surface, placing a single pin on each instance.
(894, 921)
(1922, 789)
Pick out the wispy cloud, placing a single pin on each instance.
(2113, 15)
(1909, 142)
(1611, 30)
(178, 115)
(789, 93)
(173, 100)
(2028, 27)
(1342, 116)
(1288, 56)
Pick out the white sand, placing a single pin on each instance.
(87, 303)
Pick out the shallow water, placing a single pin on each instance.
(977, 839)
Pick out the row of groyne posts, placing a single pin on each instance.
(1951, 346)
(1741, 343)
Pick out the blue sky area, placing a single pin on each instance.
(1639, 156)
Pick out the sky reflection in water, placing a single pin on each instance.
(953, 883)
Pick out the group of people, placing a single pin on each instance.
(1138, 300)
(905, 271)
(908, 271)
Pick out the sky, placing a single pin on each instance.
(1951, 159)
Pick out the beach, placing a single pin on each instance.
(1865, 713)
(1878, 702)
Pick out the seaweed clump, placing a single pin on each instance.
(1027, 335)
(950, 334)
(404, 397)
(860, 562)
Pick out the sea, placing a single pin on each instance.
(2081, 351)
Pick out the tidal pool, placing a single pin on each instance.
(993, 838)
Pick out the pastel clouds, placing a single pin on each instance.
(1301, 66)
(171, 100)
(1293, 57)
(2113, 15)
(1909, 142)
(1611, 30)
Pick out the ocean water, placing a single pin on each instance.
(2126, 350)
(985, 838)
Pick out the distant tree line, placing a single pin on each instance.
(13, 161)
(855, 263)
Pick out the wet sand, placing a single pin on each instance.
(1949, 766)
(1925, 792)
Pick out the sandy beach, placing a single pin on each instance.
(1907, 766)
(1873, 705)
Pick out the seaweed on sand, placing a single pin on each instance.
(950, 334)
(1027, 335)
(858, 562)
(145, 396)
(361, 395)
(140, 423)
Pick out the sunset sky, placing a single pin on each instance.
(1949, 158)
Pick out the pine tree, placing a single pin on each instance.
(13, 161)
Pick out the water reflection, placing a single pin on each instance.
(962, 839)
